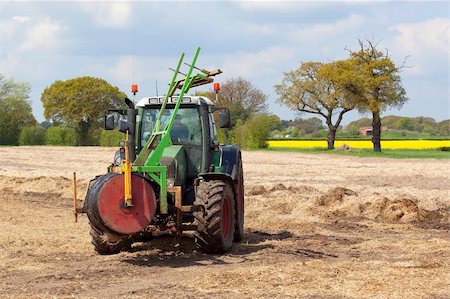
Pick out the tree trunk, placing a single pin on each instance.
(376, 131)
(331, 136)
(83, 132)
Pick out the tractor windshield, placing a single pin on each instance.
(186, 128)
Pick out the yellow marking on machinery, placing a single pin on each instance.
(126, 168)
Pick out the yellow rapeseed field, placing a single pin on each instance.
(386, 144)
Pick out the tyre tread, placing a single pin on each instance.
(208, 236)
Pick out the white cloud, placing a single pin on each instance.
(21, 19)
(271, 5)
(322, 30)
(304, 35)
(42, 36)
(7, 29)
(432, 34)
(109, 14)
(427, 42)
(250, 65)
(146, 71)
(122, 71)
(260, 29)
(10, 64)
(296, 5)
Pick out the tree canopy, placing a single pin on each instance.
(241, 97)
(318, 88)
(306, 126)
(16, 112)
(80, 103)
(376, 84)
(255, 131)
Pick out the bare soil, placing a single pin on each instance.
(317, 226)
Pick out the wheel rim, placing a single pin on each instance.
(226, 218)
(123, 220)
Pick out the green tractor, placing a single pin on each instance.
(170, 174)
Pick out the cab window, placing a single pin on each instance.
(186, 128)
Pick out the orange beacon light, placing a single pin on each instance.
(134, 88)
(216, 87)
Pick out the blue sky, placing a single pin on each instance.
(41, 42)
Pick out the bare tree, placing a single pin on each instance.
(241, 97)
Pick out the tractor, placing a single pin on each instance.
(170, 174)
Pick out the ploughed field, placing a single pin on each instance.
(317, 226)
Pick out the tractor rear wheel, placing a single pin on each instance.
(106, 244)
(215, 222)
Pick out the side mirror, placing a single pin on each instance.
(109, 122)
(124, 126)
(224, 120)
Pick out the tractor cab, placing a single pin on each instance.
(187, 127)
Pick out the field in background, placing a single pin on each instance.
(386, 153)
(361, 144)
(317, 226)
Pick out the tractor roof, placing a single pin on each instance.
(156, 101)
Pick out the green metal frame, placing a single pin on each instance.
(148, 158)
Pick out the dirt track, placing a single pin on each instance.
(317, 226)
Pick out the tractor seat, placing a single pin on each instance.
(179, 131)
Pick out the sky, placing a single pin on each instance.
(137, 41)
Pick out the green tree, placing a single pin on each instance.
(392, 121)
(241, 97)
(406, 123)
(80, 103)
(255, 131)
(240, 134)
(318, 88)
(309, 125)
(275, 134)
(54, 136)
(259, 127)
(58, 135)
(376, 84)
(428, 129)
(443, 127)
(110, 138)
(356, 124)
(295, 132)
(32, 135)
(16, 112)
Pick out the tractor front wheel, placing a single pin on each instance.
(106, 244)
(215, 222)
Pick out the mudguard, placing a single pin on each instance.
(229, 160)
(214, 176)
(228, 171)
